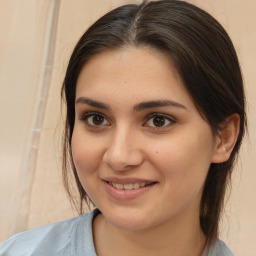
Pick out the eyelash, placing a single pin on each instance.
(86, 116)
(166, 118)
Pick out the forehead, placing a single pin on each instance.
(131, 73)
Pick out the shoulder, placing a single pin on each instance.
(218, 248)
(52, 239)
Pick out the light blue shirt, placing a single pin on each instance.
(72, 237)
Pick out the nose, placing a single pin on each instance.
(123, 151)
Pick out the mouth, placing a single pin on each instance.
(128, 191)
(130, 186)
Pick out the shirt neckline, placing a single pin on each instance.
(82, 238)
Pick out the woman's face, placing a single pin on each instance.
(135, 124)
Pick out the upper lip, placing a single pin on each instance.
(128, 180)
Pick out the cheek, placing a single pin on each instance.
(184, 161)
(86, 153)
(183, 166)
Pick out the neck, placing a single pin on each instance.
(180, 236)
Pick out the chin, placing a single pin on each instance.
(129, 220)
(129, 225)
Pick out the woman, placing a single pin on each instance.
(155, 119)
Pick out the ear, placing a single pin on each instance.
(226, 139)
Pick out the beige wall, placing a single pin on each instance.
(36, 40)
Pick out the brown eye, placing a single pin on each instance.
(159, 121)
(95, 119)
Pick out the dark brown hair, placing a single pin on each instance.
(206, 60)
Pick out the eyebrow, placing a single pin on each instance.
(157, 103)
(92, 103)
(139, 107)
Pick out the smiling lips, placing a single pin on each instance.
(127, 189)
(130, 186)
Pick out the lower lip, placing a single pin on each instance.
(122, 194)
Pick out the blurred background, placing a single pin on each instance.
(36, 40)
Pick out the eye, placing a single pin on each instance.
(94, 119)
(159, 121)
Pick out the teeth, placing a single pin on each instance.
(129, 186)
(143, 184)
(136, 185)
(119, 186)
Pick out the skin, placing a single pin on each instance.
(126, 143)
